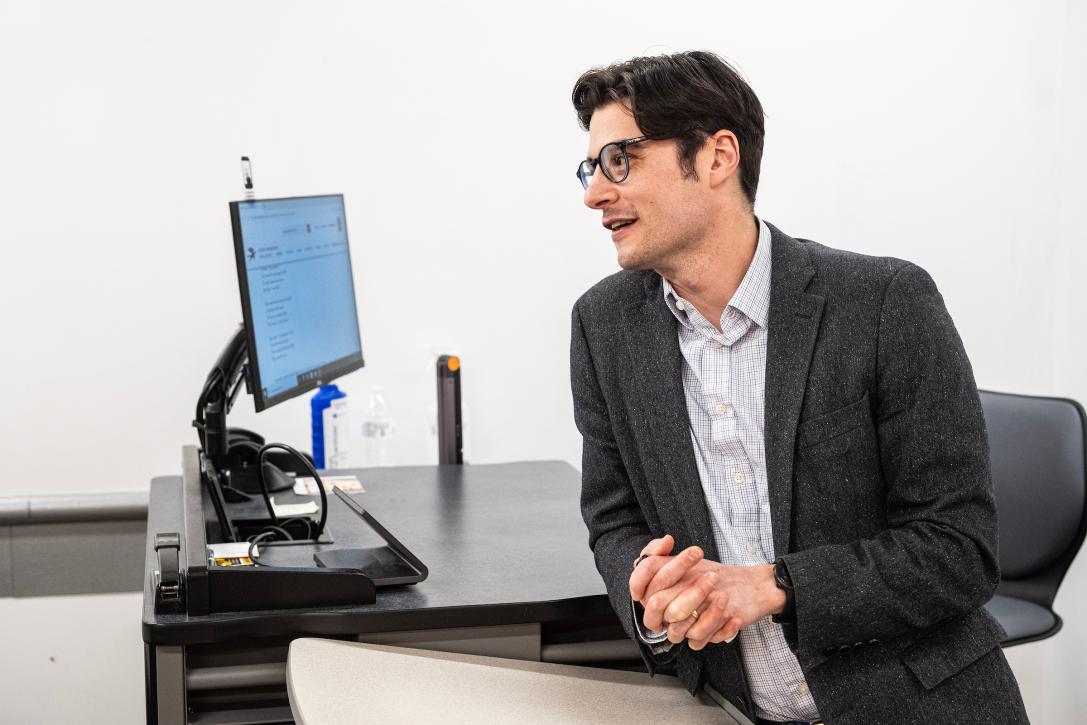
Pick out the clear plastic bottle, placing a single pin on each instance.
(377, 430)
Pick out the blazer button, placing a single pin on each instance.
(830, 651)
(844, 648)
(859, 644)
(873, 641)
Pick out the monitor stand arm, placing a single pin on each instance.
(220, 391)
(232, 451)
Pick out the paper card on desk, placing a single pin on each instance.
(307, 486)
(287, 510)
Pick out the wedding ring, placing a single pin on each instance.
(695, 614)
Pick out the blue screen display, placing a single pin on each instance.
(301, 294)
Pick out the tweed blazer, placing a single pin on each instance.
(878, 472)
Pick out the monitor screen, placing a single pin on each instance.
(298, 295)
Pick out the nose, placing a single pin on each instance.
(601, 191)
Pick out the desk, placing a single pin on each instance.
(511, 575)
(338, 683)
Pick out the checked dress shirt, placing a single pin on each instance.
(724, 375)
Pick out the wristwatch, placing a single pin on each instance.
(785, 583)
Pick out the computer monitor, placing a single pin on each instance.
(298, 294)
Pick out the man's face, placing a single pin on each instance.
(668, 210)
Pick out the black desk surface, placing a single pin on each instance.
(504, 543)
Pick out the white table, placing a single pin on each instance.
(336, 682)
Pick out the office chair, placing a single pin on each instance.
(1038, 450)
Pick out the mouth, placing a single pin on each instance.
(619, 227)
(616, 223)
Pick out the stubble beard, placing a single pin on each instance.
(652, 252)
(642, 254)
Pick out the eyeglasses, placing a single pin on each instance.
(613, 161)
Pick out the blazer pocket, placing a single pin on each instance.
(952, 646)
(831, 425)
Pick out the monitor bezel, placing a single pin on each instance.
(338, 368)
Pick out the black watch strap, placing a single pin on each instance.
(785, 583)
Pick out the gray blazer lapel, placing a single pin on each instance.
(793, 326)
(658, 368)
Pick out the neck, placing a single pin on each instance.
(709, 275)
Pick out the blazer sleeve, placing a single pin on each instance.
(617, 529)
(936, 557)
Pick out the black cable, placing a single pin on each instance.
(267, 533)
(309, 468)
(274, 530)
(264, 486)
(301, 520)
(257, 562)
(253, 545)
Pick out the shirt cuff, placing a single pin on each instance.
(657, 642)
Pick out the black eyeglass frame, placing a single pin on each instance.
(594, 164)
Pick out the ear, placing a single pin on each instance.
(725, 163)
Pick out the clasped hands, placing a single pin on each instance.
(701, 601)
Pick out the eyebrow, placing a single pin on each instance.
(593, 158)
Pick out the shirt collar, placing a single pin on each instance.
(752, 297)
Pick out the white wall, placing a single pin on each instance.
(948, 134)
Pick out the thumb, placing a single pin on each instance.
(660, 547)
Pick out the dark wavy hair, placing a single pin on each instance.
(687, 96)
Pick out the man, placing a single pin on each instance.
(782, 439)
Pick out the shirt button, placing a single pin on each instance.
(717, 344)
(720, 409)
(738, 478)
(681, 305)
(802, 688)
(750, 548)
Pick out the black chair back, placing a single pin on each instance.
(1038, 449)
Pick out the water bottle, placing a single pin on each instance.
(337, 423)
(320, 402)
(377, 429)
